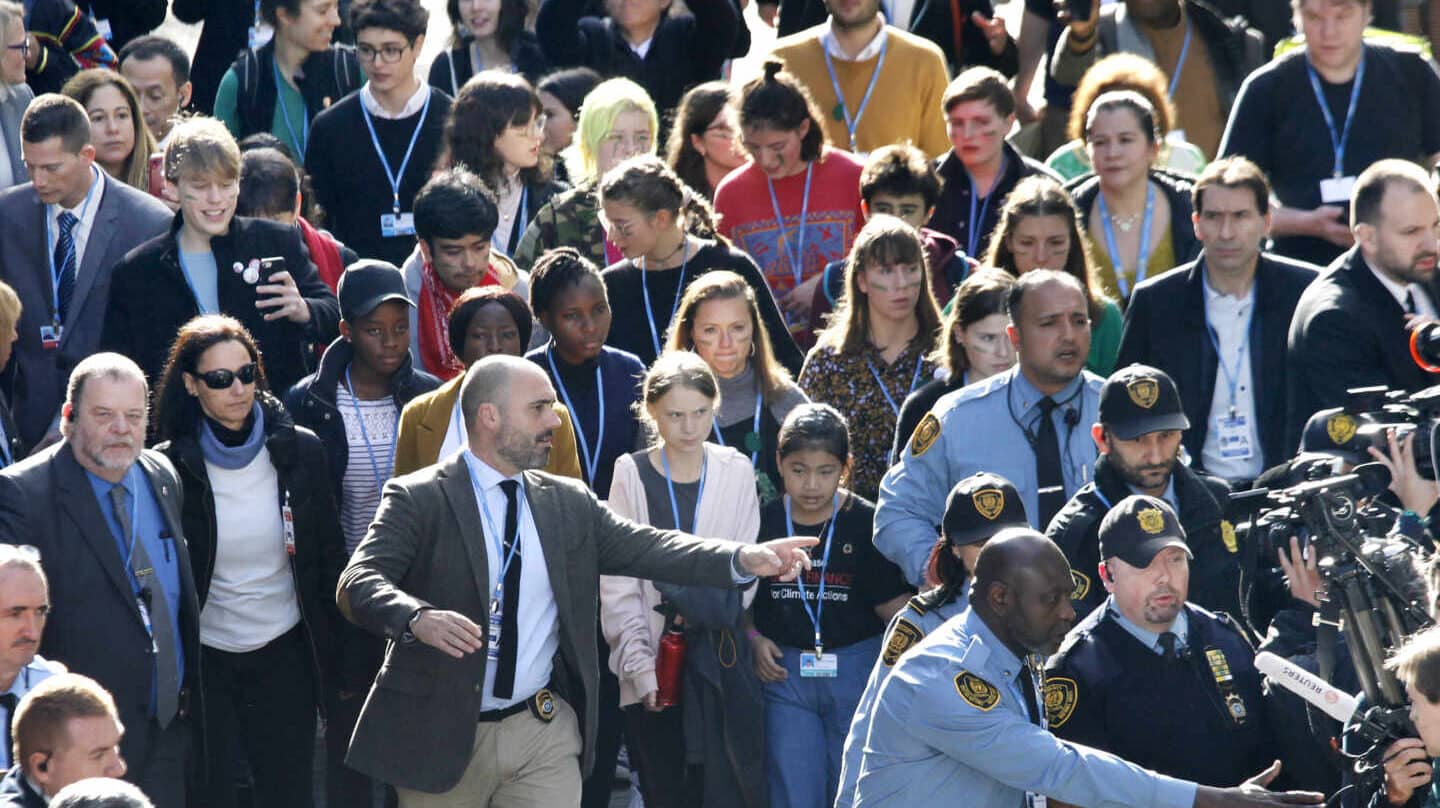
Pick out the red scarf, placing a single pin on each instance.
(436, 301)
(324, 253)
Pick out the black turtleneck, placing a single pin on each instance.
(232, 437)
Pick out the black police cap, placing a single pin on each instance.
(1138, 528)
(1140, 399)
(1332, 433)
(979, 506)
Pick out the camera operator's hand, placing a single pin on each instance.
(1301, 572)
(1407, 769)
(1252, 792)
(1415, 492)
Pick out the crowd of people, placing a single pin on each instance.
(349, 453)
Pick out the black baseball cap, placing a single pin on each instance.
(1138, 528)
(979, 506)
(364, 285)
(1139, 399)
(1333, 433)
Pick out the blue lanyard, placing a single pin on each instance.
(889, 399)
(520, 506)
(670, 486)
(394, 177)
(592, 461)
(819, 609)
(674, 307)
(754, 428)
(518, 230)
(1232, 380)
(853, 124)
(1180, 62)
(1338, 140)
(189, 280)
(975, 223)
(365, 434)
(797, 269)
(95, 181)
(304, 138)
(1143, 256)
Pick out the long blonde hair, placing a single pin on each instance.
(883, 240)
(722, 284)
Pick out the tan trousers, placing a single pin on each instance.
(520, 762)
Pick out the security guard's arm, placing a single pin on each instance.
(1020, 754)
(912, 501)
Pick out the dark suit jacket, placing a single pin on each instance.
(1165, 328)
(96, 628)
(125, 218)
(1348, 331)
(16, 793)
(426, 548)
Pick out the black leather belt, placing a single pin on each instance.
(541, 705)
(505, 712)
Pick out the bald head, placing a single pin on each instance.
(1022, 591)
(508, 405)
(488, 380)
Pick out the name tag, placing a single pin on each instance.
(819, 666)
(492, 635)
(260, 33)
(50, 336)
(397, 224)
(1233, 432)
(1035, 800)
(1336, 190)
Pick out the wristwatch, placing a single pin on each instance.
(408, 636)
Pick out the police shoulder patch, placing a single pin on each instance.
(976, 692)
(1227, 535)
(925, 435)
(902, 637)
(1061, 696)
(1081, 582)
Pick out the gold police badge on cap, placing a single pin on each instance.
(989, 502)
(1144, 392)
(1227, 535)
(1341, 428)
(977, 692)
(1061, 696)
(925, 435)
(904, 635)
(1151, 520)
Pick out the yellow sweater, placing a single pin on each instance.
(905, 105)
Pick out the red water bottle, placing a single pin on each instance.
(669, 666)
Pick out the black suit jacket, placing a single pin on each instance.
(125, 218)
(96, 629)
(1165, 327)
(1348, 331)
(16, 793)
(425, 548)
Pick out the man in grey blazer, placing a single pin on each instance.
(60, 236)
(15, 94)
(105, 515)
(489, 687)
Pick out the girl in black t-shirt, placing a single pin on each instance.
(816, 638)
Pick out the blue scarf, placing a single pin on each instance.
(233, 457)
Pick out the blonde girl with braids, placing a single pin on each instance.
(651, 217)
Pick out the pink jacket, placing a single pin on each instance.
(728, 509)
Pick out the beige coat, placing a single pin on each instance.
(728, 509)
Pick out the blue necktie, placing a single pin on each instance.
(65, 263)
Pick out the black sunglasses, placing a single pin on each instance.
(223, 378)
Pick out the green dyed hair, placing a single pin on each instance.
(602, 106)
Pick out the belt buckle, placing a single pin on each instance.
(542, 705)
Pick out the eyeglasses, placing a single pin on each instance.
(390, 54)
(535, 127)
(223, 378)
(23, 47)
(725, 132)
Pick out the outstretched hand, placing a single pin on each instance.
(782, 559)
(1252, 793)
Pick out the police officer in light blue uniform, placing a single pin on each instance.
(978, 507)
(960, 719)
(1029, 425)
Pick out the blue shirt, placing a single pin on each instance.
(980, 429)
(909, 625)
(151, 529)
(38, 670)
(928, 744)
(1148, 638)
(200, 272)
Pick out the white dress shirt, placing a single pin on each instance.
(85, 212)
(1229, 319)
(412, 106)
(870, 51)
(1424, 306)
(538, 620)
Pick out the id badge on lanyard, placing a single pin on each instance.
(1037, 678)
